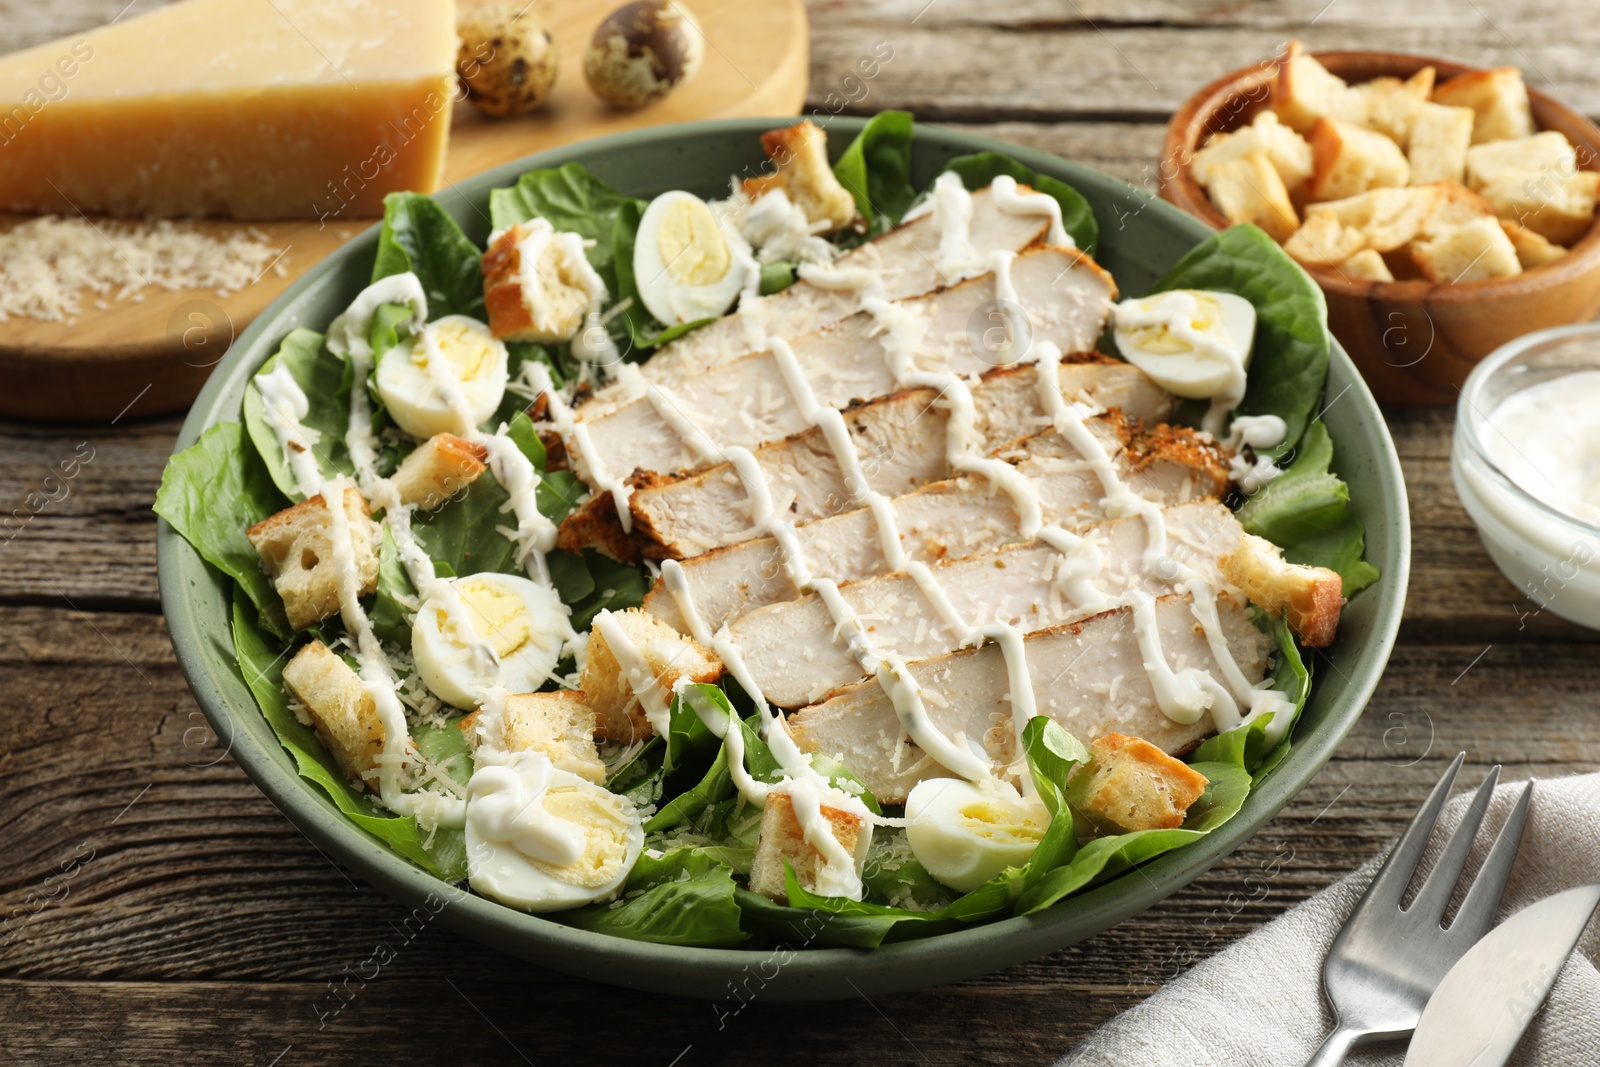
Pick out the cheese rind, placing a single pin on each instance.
(251, 109)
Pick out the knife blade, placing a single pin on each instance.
(1478, 1013)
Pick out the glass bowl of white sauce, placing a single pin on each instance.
(1526, 463)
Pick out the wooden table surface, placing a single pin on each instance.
(157, 908)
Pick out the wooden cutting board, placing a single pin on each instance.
(150, 355)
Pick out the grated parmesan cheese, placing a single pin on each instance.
(49, 263)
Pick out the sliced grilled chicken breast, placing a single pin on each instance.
(795, 654)
(903, 262)
(950, 519)
(1088, 676)
(900, 438)
(1064, 295)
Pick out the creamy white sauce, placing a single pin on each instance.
(951, 207)
(1546, 439)
(1260, 432)
(652, 696)
(284, 407)
(1175, 311)
(1013, 201)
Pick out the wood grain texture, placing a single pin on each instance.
(161, 344)
(156, 908)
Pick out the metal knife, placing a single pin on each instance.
(1479, 1012)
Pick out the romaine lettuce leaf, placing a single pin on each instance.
(325, 378)
(876, 168)
(981, 169)
(1290, 361)
(261, 663)
(1306, 512)
(684, 897)
(212, 492)
(420, 236)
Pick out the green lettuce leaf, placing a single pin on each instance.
(876, 168)
(388, 614)
(1290, 361)
(325, 378)
(684, 897)
(1306, 512)
(420, 236)
(571, 197)
(212, 492)
(981, 169)
(261, 663)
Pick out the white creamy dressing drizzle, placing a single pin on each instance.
(1013, 201)
(285, 407)
(1175, 311)
(1260, 432)
(508, 809)
(652, 696)
(951, 207)
(576, 436)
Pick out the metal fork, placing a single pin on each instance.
(1387, 961)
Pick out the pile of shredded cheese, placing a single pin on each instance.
(49, 263)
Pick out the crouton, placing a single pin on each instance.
(1305, 92)
(1526, 157)
(1473, 252)
(1324, 241)
(1287, 151)
(438, 469)
(1558, 208)
(657, 657)
(1347, 160)
(1532, 249)
(1437, 149)
(544, 301)
(1248, 189)
(1392, 104)
(335, 703)
(1130, 784)
(1498, 99)
(1454, 206)
(1386, 218)
(800, 153)
(1367, 264)
(1308, 597)
(296, 550)
(559, 724)
(781, 838)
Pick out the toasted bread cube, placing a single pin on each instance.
(1347, 160)
(664, 657)
(1248, 189)
(1558, 208)
(800, 153)
(544, 301)
(781, 838)
(1305, 92)
(1523, 158)
(1392, 104)
(296, 549)
(338, 706)
(560, 724)
(1455, 205)
(1324, 241)
(1386, 218)
(1498, 99)
(1130, 784)
(1287, 151)
(1367, 264)
(1437, 149)
(438, 469)
(1473, 252)
(1532, 249)
(1309, 598)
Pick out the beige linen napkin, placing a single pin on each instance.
(1259, 1001)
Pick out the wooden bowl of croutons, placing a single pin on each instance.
(1444, 209)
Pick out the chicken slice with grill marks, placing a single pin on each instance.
(796, 655)
(951, 519)
(902, 444)
(1088, 676)
(902, 262)
(1064, 296)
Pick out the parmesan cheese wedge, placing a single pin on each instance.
(238, 108)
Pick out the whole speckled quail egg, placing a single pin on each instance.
(507, 63)
(642, 52)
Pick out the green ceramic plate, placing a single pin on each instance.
(1139, 238)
